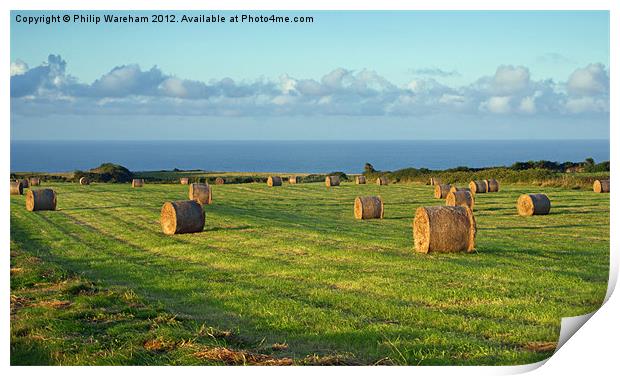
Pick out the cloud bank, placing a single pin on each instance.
(127, 90)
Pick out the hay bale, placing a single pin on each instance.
(444, 229)
(25, 183)
(182, 217)
(137, 183)
(477, 186)
(201, 193)
(442, 190)
(460, 198)
(368, 207)
(601, 186)
(492, 185)
(17, 188)
(435, 181)
(293, 179)
(533, 204)
(40, 199)
(383, 180)
(454, 188)
(84, 181)
(360, 180)
(34, 181)
(184, 181)
(219, 181)
(274, 181)
(331, 181)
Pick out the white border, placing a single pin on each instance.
(593, 349)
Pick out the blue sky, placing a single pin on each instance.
(415, 75)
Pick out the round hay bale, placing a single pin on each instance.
(293, 179)
(601, 186)
(442, 190)
(219, 181)
(201, 193)
(454, 188)
(444, 229)
(383, 180)
(184, 181)
(435, 181)
(34, 181)
(492, 185)
(533, 204)
(17, 188)
(368, 207)
(137, 183)
(84, 181)
(360, 180)
(40, 199)
(331, 181)
(460, 198)
(274, 181)
(25, 183)
(478, 186)
(182, 217)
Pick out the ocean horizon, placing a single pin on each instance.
(295, 156)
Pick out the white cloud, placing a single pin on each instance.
(287, 84)
(528, 105)
(510, 80)
(18, 67)
(586, 104)
(497, 105)
(591, 80)
(335, 78)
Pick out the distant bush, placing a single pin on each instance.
(106, 173)
(44, 177)
(342, 175)
(542, 177)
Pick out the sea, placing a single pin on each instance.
(295, 156)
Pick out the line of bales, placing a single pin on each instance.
(447, 228)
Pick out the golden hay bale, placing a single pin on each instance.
(460, 198)
(360, 180)
(34, 181)
(136, 183)
(533, 204)
(25, 183)
(442, 190)
(383, 180)
(84, 181)
(368, 207)
(40, 199)
(17, 188)
(201, 193)
(477, 186)
(454, 188)
(331, 181)
(601, 186)
(219, 181)
(492, 185)
(184, 181)
(274, 181)
(444, 229)
(293, 179)
(435, 181)
(182, 217)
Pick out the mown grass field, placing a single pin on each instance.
(286, 275)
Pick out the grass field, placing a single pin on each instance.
(285, 274)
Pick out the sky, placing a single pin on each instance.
(346, 75)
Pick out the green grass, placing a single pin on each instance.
(289, 265)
